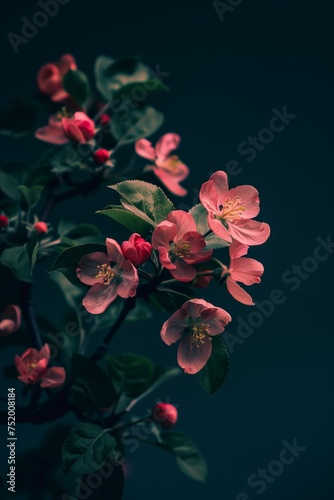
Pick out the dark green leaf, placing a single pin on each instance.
(144, 200)
(214, 373)
(8, 185)
(31, 194)
(128, 219)
(113, 74)
(92, 389)
(131, 374)
(67, 262)
(139, 123)
(188, 457)
(145, 88)
(86, 448)
(19, 260)
(77, 85)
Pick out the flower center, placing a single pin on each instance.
(31, 366)
(199, 333)
(232, 209)
(182, 249)
(107, 273)
(64, 113)
(171, 164)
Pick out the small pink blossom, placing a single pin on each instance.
(244, 270)
(50, 77)
(4, 221)
(180, 245)
(41, 228)
(137, 249)
(61, 130)
(32, 367)
(168, 168)
(230, 211)
(194, 324)
(10, 320)
(109, 275)
(165, 414)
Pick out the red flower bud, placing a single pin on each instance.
(101, 156)
(4, 221)
(165, 415)
(105, 119)
(41, 228)
(137, 250)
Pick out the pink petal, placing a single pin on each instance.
(173, 328)
(99, 297)
(115, 253)
(54, 377)
(72, 131)
(247, 271)
(208, 196)
(217, 318)
(218, 228)
(7, 326)
(67, 62)
(184, 222)
(11, 320)
(163, 234)
(20, 366)
(44, 352)
(197, 258)
(52, 134)
(249, 232)
(166, 144)
(165, 259)
(87, 267)
(183, 272)
(39, 370)
(130, 280)
(238, 293)
(144, 148)
(237, 249)
(195, 307)
(220, 180)
(60, 95)
(49, 79)
(191, 358)
(171, 181)
(249, 199)
(30, 356)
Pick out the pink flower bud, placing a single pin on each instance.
(101, 156)
(50, 77)
(4, 221)
(137, 250)
(165, 415)
(41, 228)
(105, 119)
(80, 128)
(10, 320)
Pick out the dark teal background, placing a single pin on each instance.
(226, 77)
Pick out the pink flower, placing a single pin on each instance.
(196, 321)
(180, 245)
(168, 168)
(107, 281)
(32, 367)
(230, 211)
(165, 414)
(50, 77)
(4, 221)
(10, 320)
(244, 270)
(80, 129)
(137, 249)
(41, 228)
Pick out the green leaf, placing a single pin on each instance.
(74, 231)
(201, 218)
(86, 448)
(188, 457)
(144, 200)
(31, 194)
(147, 87)
(92, 389)
(9, 187)
(77, 85)
(21, 260)
(67, 262)
(128, 219)
(138, 124)
(214, 373)
(112, 74)
(167, 299)
(131, 374)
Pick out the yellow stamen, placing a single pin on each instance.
(232, 209)
(182, 249)
(107, 273)
(64, 113)
(171, 164)
(199, 333)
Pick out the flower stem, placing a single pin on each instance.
(29, 314)
(102, 349)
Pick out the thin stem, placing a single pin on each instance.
(130, 424)
(29, 314)
(102, 349)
